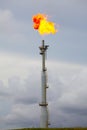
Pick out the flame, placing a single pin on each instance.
(42, 24)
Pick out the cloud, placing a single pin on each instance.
(22, 114)
(18, 36)
(67, 13)
(9, 25)
(5, 17)
(21, 94)
(20, 83)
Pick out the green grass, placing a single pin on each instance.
(51, 129)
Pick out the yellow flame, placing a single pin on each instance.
(43, 25)
(46, 27)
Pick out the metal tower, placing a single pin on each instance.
(44, 110)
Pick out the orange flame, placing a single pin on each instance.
(42, 24)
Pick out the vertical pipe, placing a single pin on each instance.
(43, 104)
(43, 84)
(43, 56)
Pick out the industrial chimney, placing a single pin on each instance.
(44, 110)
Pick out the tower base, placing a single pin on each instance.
(44, 117)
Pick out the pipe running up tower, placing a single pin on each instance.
(44, 110)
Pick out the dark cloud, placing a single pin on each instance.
(26, 100)
(67, 103)
(73, 110)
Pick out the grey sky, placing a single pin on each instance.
(20, 63)
(72, 20)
